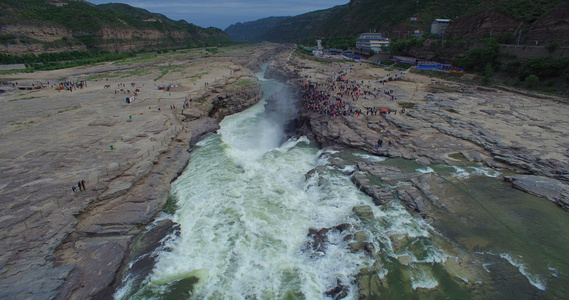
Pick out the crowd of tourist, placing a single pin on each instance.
(329, 97)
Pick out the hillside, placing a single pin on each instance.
(43, 26)
(253, 31)
(544, 19)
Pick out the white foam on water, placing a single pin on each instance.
(554, 271)
(488, 172)
(370, 157)
(485, 266)
(461, 173)
(348, 169)
(123, 291)
(535, 280)
(423, 278)
(425, 170)
(245, 209)
(400, 222)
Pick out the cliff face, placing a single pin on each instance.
(551, 28)
(37, 39)
(34, 39)
(483, 25)
(44, 28)
(45, 33)
(554, 27)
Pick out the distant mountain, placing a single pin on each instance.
(397, 19)
(40, 26)
(253, 31)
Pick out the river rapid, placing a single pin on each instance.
(255, 226)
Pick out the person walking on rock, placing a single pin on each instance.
(79, 185)
(83, 184)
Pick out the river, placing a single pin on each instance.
(254, 226)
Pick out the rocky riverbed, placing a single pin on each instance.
(518, 137)
(63, 245)
(435, 121)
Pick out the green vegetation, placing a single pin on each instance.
(526, 10)
(488, 73)
(166, 69)
(478, 58)
(244, 82)
(69, 109)
(171, 205)
(532, 81)
(26, 98)
(401, 47)
(129, 73)
(407, 105)
(80, 24)
(141, 58)
(15, 123)
(53, 61)
(212, 50)
(199, 75)
(333, 42)
(402, 66)
(546, 67)
(304, 50)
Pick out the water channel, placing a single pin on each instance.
(246, 208)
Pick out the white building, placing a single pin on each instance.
(439, 26)
(371, 41)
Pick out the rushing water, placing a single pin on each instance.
(246, 208)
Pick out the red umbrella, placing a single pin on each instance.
(384, 110)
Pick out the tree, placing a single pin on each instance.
(532, 81)
(476, 59)
(488, 72)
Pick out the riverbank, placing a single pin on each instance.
(435, 121)
(63, 245)
(69, 245)
(452, 151)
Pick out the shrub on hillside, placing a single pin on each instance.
(532, 81)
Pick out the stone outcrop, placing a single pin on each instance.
(227, 100)
(554, 190)
(479, 25)
(66, 245)
(37, 38)
(45, 33)
(107, 228)
(498, 128)
(552, 28)
(42, 33)
(201, 127)
(548, 29)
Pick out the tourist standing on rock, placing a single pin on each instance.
(79, 185)
(83, 184)
(74, 189)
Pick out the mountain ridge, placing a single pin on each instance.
(394, 18)
(42, 26)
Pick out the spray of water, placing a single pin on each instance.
(245, 210)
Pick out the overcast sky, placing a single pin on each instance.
(222, 13)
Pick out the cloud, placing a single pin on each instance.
(222, 13)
